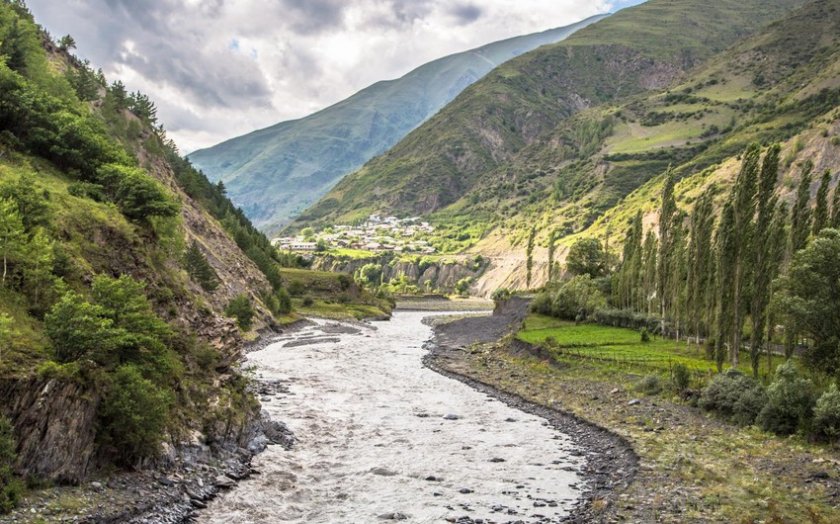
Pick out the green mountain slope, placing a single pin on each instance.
(520, 104)
(276, 172)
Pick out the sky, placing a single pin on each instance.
(221, 68)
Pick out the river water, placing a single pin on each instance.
(380, 437)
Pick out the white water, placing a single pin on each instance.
(369, 419)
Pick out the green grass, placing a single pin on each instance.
(622, 347)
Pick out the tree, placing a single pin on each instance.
(699, 255)
(77, 328)
(743, 206)
(668, 217)
(118, 94)
(765, 255)
(5, 334)
(821, 211)
(800, 220)
(835, 208)
(31, 202)
(812, 298)
(651, 249)
(138, 196)
(11, 488)
(725, 251)
(529, 256)
(587, 257)
(240, 308)
(199, 268)
(629, 281)
(143, 107)
(552, 247)
(12, 234)
(66, 43)
(133, 415)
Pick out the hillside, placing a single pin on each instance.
(521, 102)
(275, 173)
(129, 283)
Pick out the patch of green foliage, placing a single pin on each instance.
(241, 309)
(11, 488)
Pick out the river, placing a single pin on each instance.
(380, 437)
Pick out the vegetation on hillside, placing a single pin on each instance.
(760, 280)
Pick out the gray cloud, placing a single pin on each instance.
(467, 13)
(220, 68)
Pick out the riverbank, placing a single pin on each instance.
(692, 467)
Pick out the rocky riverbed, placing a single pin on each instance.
(380, 437)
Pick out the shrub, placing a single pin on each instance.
(680, 376)
(462, 287)
(576, 299)
(735, 396)
(77, 328)
(10, 487)
(133, 416)
(645, 336)
(89, 190)
(240, 308)
(308, 302)
(650, 385)
(501, 295)
(827, 414)
(790, 401)
(200, 269)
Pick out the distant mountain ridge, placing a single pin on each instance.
(276, 172)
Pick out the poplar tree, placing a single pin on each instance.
(743, 209)
(667, 220)
(648, 277)
(835, 208)
(821, 213)
(724, 240)
(529, 254)
(699, 255)
(633, 255)
(765, 259)
(552, 245)
(800, 219)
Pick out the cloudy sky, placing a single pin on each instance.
(220, 68)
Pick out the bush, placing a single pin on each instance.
(576, 299)
(735, 396)
(240, 308)
(680, 376)
(462, 287)
(501, 295)
(790, 401)
(200, 269)
(645, 336)
(308, 302)
(650, 385)
(133, 416)
(10, 487)
(827, 415)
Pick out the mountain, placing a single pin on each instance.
(557, 137)
(638, 49)
(276, 172)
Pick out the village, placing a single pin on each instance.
(376, 233)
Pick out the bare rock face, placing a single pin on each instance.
(55, 427)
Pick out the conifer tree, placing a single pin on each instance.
(199, 268)
(821, 212)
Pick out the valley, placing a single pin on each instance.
(588, 274)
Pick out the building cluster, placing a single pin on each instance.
(377, 233)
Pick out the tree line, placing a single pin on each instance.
(741, 270)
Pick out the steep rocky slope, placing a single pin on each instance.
(275, 173)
